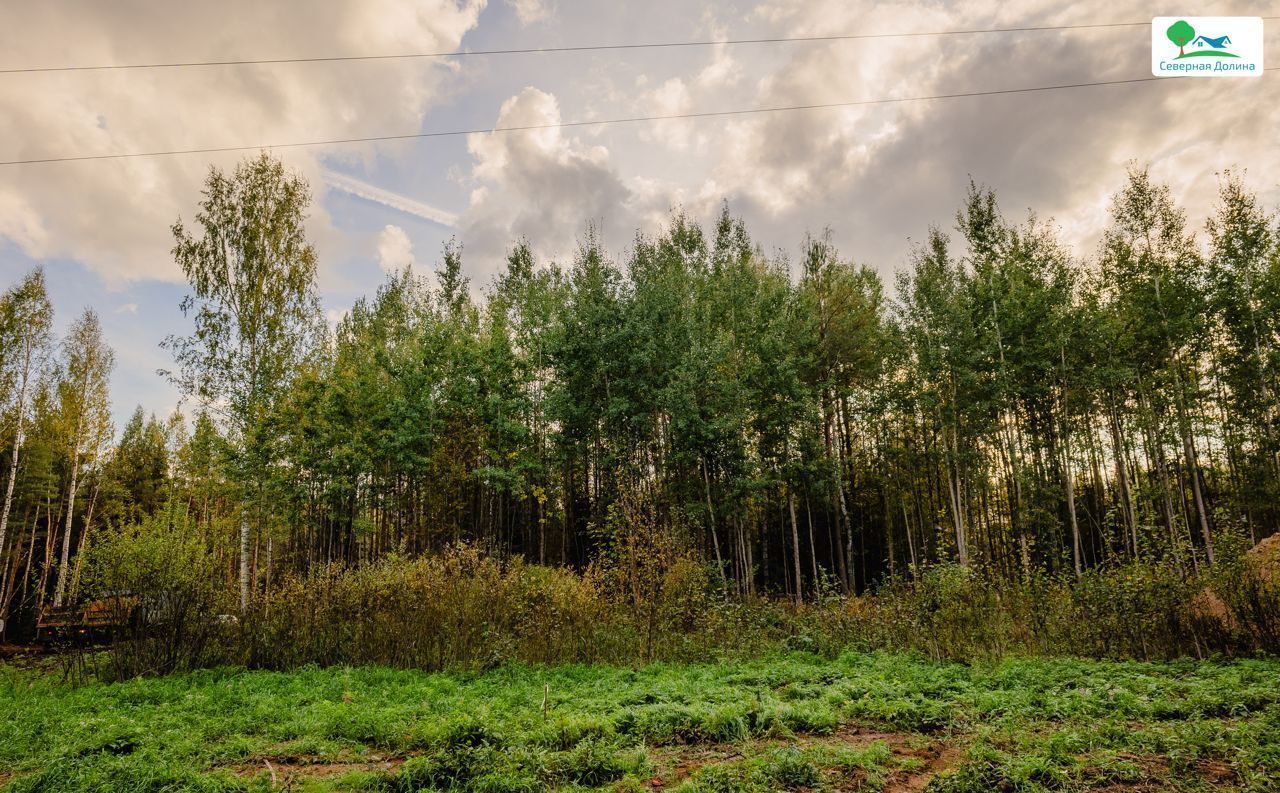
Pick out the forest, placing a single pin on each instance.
(1004, 524)
(799, 425)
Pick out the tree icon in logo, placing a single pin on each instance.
(1181, 34)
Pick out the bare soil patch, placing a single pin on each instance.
(1156, 775)
(925, 758)
(305, 767)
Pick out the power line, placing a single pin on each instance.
(581, 48)
(590, 123)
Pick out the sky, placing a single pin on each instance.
(876, 176)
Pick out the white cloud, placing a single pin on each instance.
(334, 316)
(876, 175)
(128, 308)
(530, 11)
(20, 222)
(670, 98)
(115, 215)
(395, 249)
(880, 174)
(540, 185)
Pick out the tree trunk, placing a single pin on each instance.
(17, 450)
(84, 541)
(1189, 452)
(1077, 550)
(1069, 485)
(813, 544)
(1194, 469)
(711, 519)
(843, 531)
(957, 510)
(1122, 481)
(11, 574)
(244, 562)
(49, 540)
(795, 544)
(911, 544)
(61, 586)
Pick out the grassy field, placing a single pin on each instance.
(795, 722)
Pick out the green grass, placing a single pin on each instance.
(859, 722)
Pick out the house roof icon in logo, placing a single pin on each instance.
(1219, 43)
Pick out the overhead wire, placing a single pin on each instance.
(589, 122)
(577, 48)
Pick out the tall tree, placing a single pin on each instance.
(85, 404)
(26, 323)
(841, 306)
(256, 313)
(137, 473)
(1244, 282)
(1155, 277)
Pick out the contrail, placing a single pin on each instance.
(378, 195)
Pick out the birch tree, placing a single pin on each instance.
(27, 317)
(86, 408)
(255, 311)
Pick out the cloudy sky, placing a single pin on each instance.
(877, 176)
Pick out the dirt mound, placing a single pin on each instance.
(1263, 559)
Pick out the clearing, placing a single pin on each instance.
(860, 722)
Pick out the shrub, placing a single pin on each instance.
(159, 579)
(464, 609)
(458, 609)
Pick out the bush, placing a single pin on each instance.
(648, 602)
(158, 578)
(459, 609)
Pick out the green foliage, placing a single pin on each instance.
(466, 609)
(136, 478)
(26, 321)
(1009, 408)
(1027, 724)
(158, 578)
(708, 451)
(457, 609)
(256, 316)
(253, 274)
